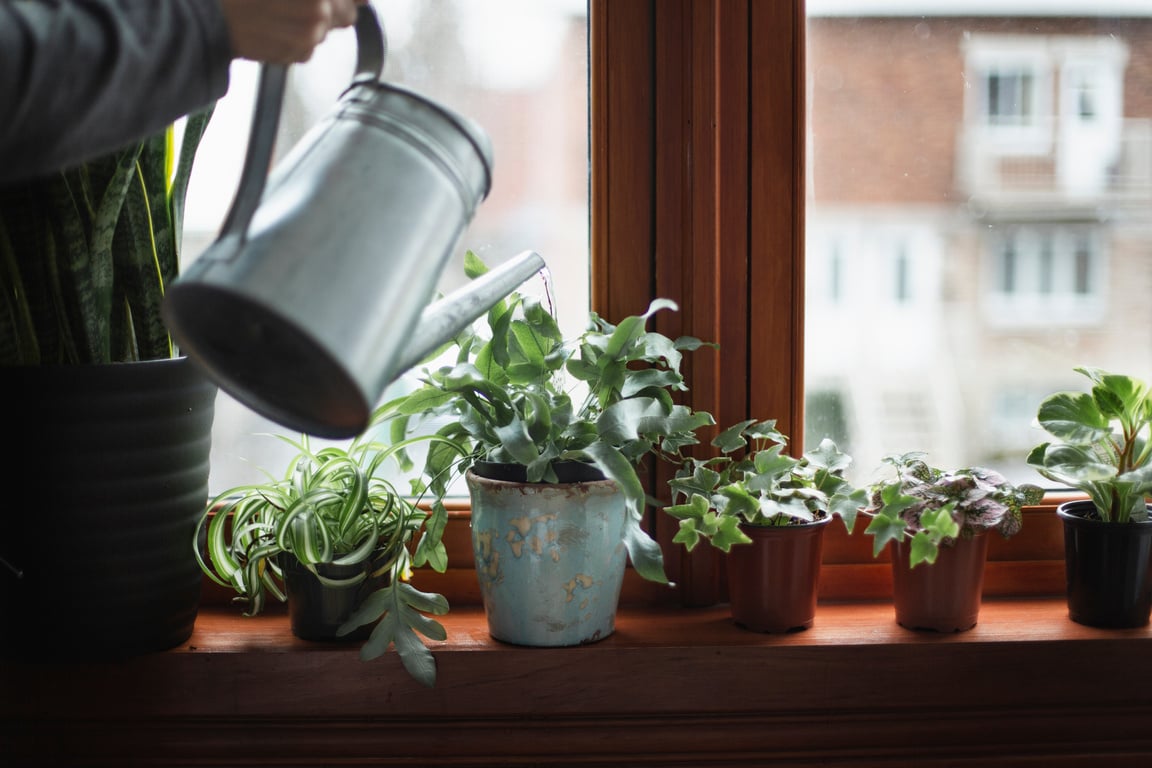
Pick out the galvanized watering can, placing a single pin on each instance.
(319, 290)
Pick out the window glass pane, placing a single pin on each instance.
(519, 68)
(1001, 153)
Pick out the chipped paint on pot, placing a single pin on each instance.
(550, 559)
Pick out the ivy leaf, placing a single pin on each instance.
(728, 533)
(732, 438)
(922, 550)
(886, 526)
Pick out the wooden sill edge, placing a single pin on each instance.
(221, 629)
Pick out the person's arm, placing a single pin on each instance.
(79, 78)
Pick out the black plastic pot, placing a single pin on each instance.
(104, 480)
(316, 610)
(1108, 568)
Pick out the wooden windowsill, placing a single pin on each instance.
(671, 686)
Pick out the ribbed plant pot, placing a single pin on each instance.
(1108, 568)
(773, 582)
(550, 558)
(105, 478)
(943, 596)
(316, 609)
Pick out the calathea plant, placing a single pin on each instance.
(1100, 443)
(333, 506)
(520, 394)
(755, 483)
(85, 254)
(929, 507)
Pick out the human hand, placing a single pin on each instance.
(284, 31)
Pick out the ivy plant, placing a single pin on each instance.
(755, 482)
(519, 393)
(930, 507)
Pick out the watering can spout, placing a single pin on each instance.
(443, 320)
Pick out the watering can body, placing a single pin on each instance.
(319, 291)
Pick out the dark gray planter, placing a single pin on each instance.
(106, 476)
(317, 610)
(1109, 568)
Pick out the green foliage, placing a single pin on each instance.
(763, 486)
(930, 507)
(519, 393)
(333, 507)
(1101, 443)
(85, 255)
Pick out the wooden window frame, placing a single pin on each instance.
(703, 204)
(698, 185)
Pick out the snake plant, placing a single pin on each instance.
(85, 254)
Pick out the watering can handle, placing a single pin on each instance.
(371, 49)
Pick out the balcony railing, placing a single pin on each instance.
(1054, 170)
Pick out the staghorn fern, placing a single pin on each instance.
(86, 253)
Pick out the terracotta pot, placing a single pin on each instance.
(1107, 568)
(943, 596)
(773, 582)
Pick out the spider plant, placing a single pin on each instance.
(333, 505)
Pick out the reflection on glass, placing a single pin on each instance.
(519, 68)
(981, 189)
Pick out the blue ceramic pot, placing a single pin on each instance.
(550, 558)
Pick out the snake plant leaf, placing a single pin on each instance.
(137, 263)
(194, 128)
(18, 343)
(75, 281)
(155, 171)
(109, 204)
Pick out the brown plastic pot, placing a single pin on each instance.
(773, 582)
(943, 596)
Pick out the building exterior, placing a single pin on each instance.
(979, 219)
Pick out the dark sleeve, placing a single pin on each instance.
(79, 78)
